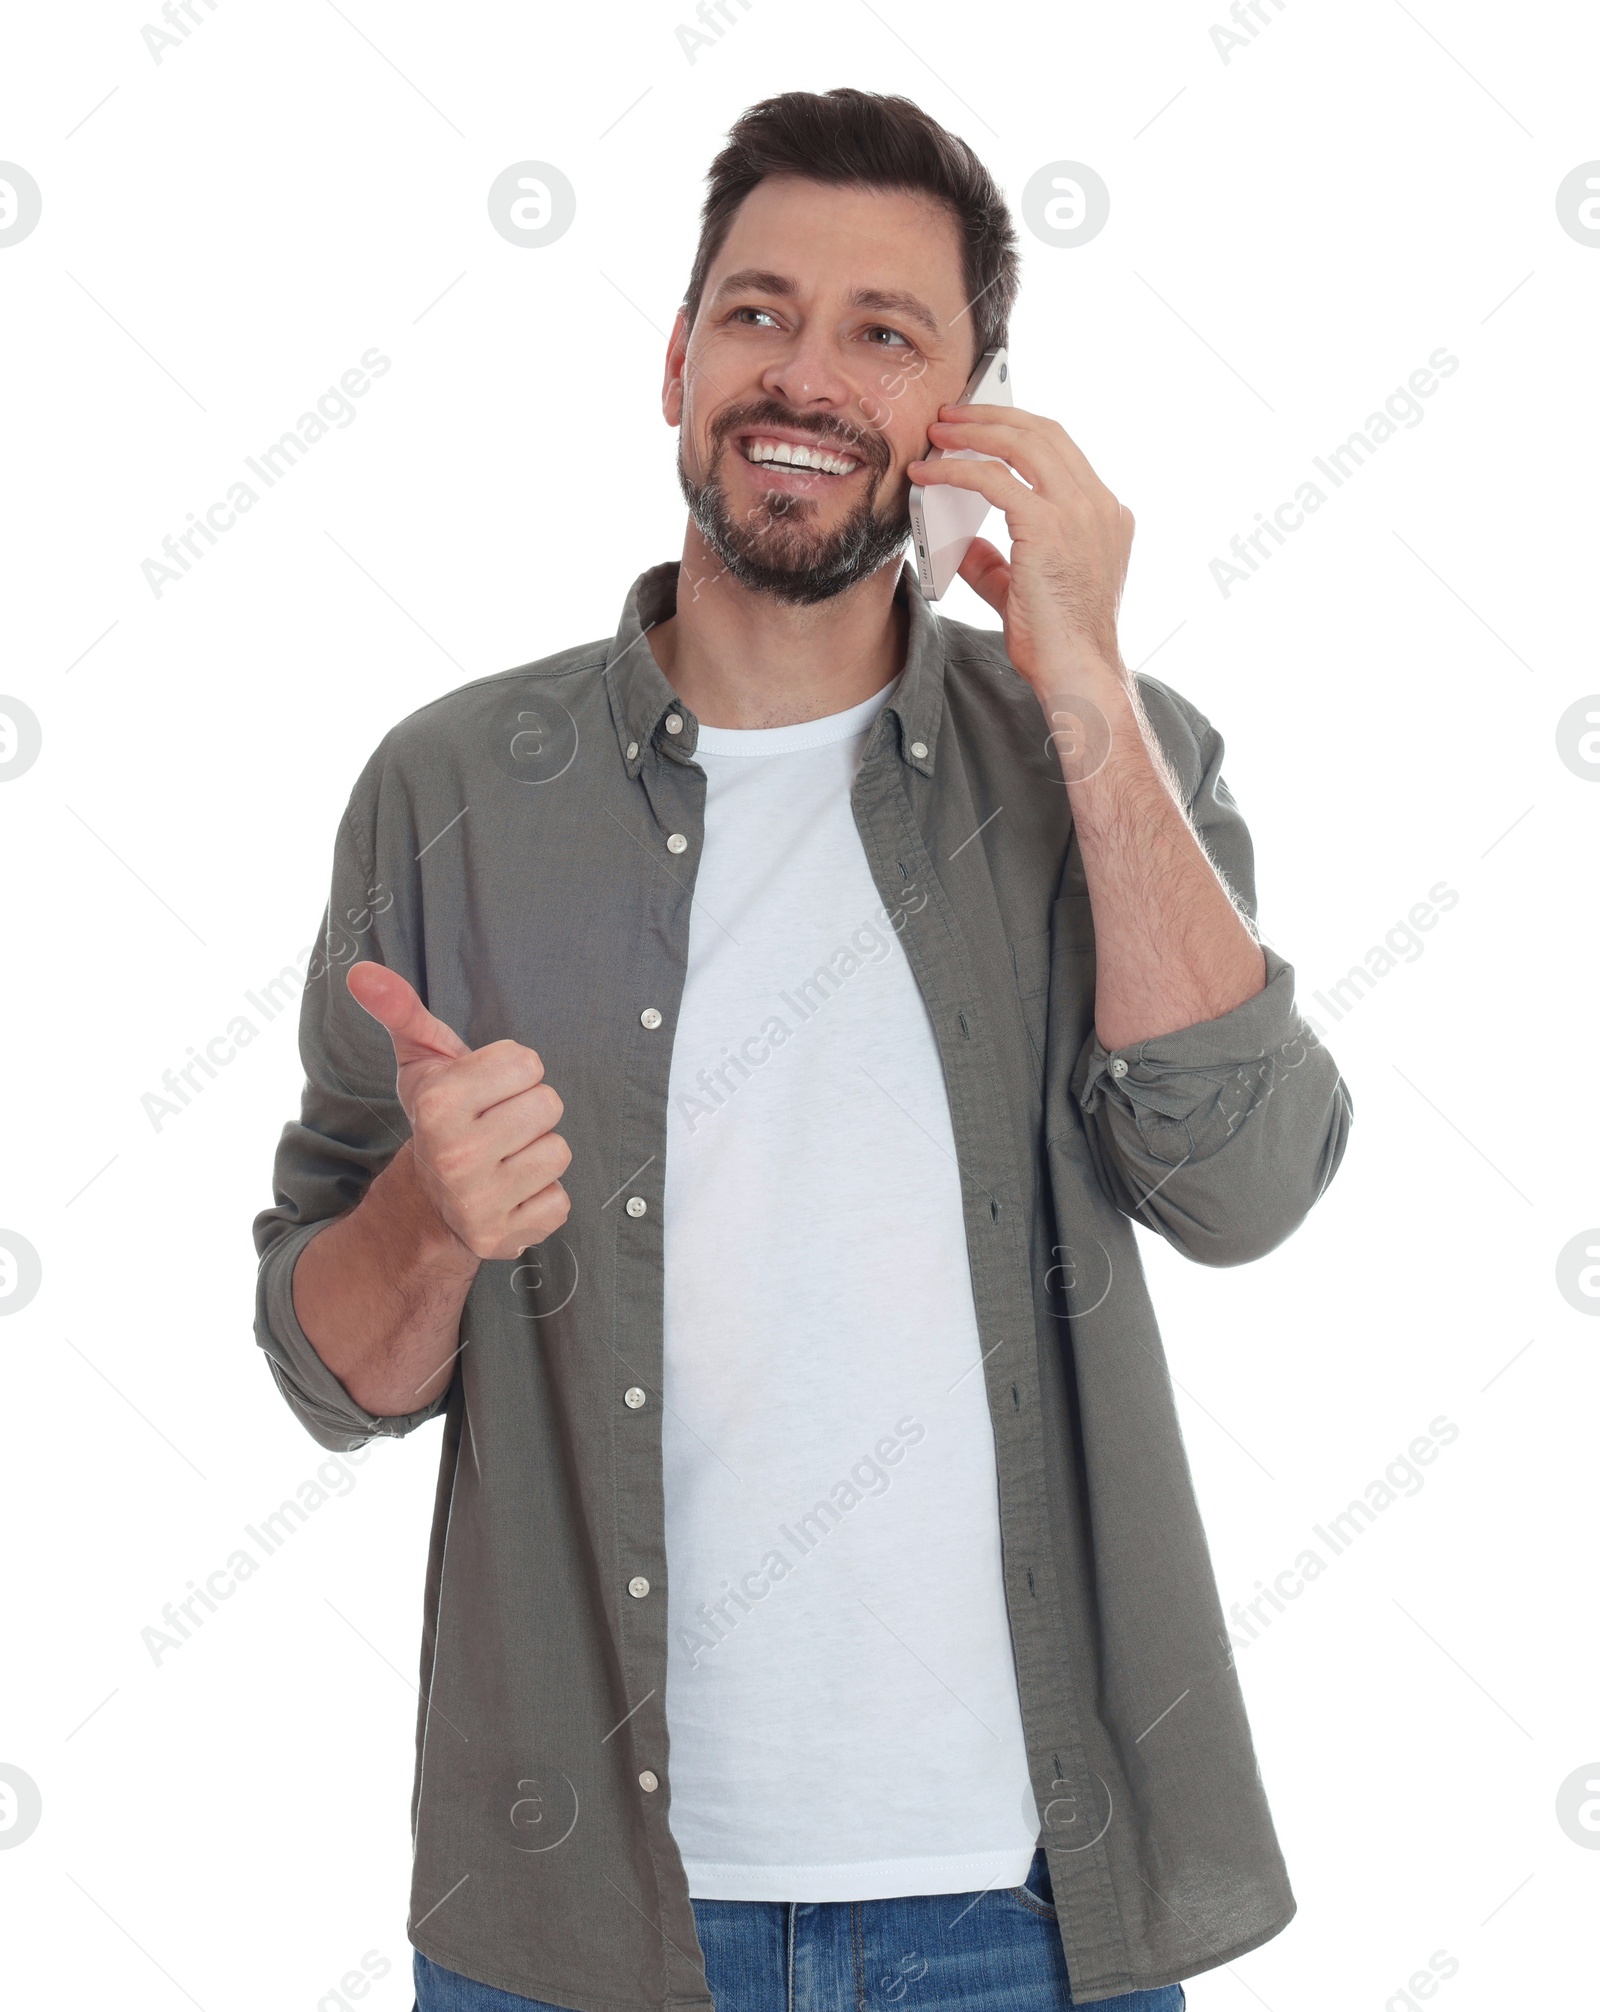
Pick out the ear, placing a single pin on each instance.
(672, 381)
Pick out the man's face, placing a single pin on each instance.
(832, 327)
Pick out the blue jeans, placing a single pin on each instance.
(997, 1951)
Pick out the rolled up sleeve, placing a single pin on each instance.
(1220, 1136)
(350, 1126)
(309, 1387)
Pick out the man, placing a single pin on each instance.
(818, 1604)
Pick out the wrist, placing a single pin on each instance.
(431, 1243)
(1096, 719)
(1088, 672)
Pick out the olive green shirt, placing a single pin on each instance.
(524, 850)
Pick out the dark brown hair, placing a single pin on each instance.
(863, 139)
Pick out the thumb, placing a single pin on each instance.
(393, 1003)
(987, 573)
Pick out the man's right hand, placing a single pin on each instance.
(482, 1122)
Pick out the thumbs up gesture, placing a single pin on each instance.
(482, 1122)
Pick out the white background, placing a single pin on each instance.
(1292, 233)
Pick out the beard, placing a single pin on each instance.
(778, 549)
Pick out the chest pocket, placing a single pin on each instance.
(1064, 953)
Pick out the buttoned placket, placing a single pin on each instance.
(666, 826)
(1064, 1784)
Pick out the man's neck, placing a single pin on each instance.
(743, 659)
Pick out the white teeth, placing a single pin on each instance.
(787, 454)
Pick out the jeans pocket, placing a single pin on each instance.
(1036, 1894)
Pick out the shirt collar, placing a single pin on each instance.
(641, 698)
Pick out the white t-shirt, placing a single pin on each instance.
(841, 1695)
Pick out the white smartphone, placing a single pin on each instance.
(945, 520)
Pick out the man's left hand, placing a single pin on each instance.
(1058, 593)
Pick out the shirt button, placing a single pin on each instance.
(633, 1397)
(638, 1588)
(635, 1205)
(919, 749)
(674, 724)
(1119, 1068)
(677, 842)
(633, 749)
(648, 1781)
(650, 1017)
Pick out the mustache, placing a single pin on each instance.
(831, 432)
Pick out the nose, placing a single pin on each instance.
(808, 376)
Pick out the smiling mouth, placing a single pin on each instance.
(789, 454)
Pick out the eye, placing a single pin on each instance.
(893, 333)
(771, 317)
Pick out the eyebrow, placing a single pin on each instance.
(754, 279)
(898, 303)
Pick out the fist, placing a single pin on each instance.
(482, 1122)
